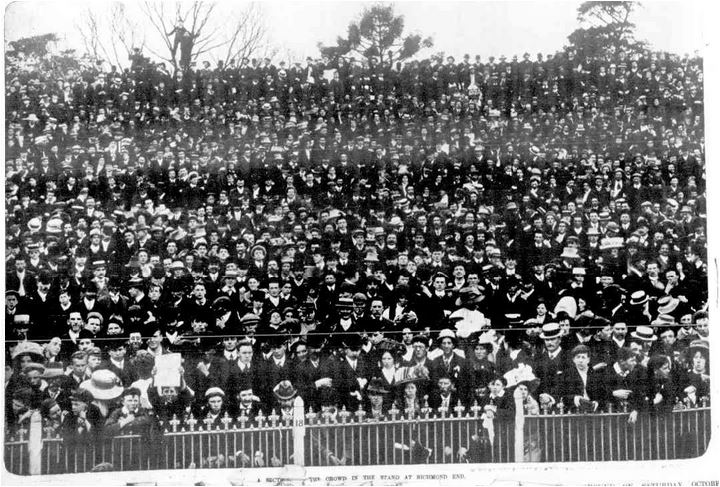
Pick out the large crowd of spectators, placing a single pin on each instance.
(359, 235)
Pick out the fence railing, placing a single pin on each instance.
(460, 436)
(610, 437)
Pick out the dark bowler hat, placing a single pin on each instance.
(353, 341)
(285, 391)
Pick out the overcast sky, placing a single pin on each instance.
(485, 28)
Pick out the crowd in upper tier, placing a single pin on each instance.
(412, 235)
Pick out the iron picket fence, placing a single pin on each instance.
(16, 453)
(344, 439)
(683, 433)
(407, 438)
(262, 442)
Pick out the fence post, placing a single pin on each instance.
(35, 444)
(299, 432)
(519, 429)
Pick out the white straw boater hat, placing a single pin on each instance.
(644, 333)
(103, 385)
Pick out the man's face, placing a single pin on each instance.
(407, 336)
(376, 308)
(246, 397)
(668, 337)
(34, 378)
(419, 350)
(274, 289)
(245, 354)
(352, 354)
(135, 339)
(215, 404)
(169, 393)
(581, 361)
(93, 325)
(702, 327)
(154, 293)
(376, 400)
(11, 301)
(75, 321)
(230, 343)
(606, 281)
(118, 353)
(619, 331)
(79, 366)
(552, 344)
(199, 292)
(78, 407)
(444, 384)
(278, 352)
(629, 364)
(447, 345)
(131, 402)
(496, 387)
(301, 352)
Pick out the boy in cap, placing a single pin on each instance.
(215, 407)
(130, 419)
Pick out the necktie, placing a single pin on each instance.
(21, 289)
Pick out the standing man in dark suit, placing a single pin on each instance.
(246, 372)
(312, 371)
(624, 383)
(444, 395)
(351, 374)
(551, 361)
(222, 366)
(20, 279)
(277, 368)
(117, 363)
(581, 387)
(450, 364)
